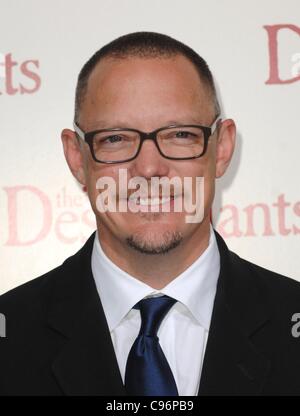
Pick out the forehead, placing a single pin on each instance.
(145, 89)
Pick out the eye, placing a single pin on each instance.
(112, 139)
(184, 134)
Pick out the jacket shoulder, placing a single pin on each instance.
(283, 290)
(33, 294)
(30, 295)
(272, 277)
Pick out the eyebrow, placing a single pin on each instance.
(102, 124)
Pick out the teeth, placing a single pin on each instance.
(151, 201)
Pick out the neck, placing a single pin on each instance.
(167, 266)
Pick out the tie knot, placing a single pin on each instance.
(153, 310)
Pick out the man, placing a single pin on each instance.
(152, 304)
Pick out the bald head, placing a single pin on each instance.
(145, 45)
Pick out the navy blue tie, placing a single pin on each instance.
(147, 370)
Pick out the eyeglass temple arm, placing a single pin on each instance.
(78, 130)
(215, 124)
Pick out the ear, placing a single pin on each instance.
(225, 146)
(74, 155)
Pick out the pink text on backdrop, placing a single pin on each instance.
(65, 214)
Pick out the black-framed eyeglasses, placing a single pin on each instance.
(176, 142)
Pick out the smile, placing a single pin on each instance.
(164, 195)
(151, 201)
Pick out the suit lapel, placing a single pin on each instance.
(86, 364)
(232, 365)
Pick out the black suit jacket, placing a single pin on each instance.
(58, 341)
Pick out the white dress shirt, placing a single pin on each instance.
(184, 330)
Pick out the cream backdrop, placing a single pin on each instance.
(253, 49)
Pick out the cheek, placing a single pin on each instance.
(93, 174)
(109, 175)
(209, 163)
(202, 167)
(209, 186)
(97, 170)
(206, 170)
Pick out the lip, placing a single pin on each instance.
(152, 207)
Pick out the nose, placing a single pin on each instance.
(150, 162)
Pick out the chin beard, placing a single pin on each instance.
(159, 244)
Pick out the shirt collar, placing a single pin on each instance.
(195, 288)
